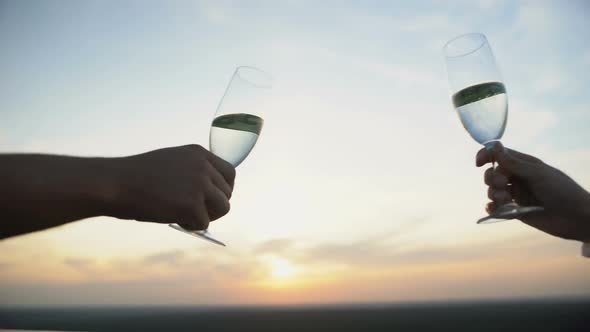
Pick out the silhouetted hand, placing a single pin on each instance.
(530, 182)
(187, 185)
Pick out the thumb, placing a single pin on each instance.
(517, 163)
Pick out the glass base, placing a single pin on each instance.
(507, 212)
(205, 235)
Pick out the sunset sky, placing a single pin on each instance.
(363, 185)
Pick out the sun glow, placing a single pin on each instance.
(281, 268)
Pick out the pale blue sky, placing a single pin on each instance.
(363, 148)
(60, 59)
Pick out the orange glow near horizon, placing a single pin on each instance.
(274, 279)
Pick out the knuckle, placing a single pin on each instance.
(232, 173)
(500, 181)
(200, 185)
(503, 196)
(226, 207)
(197, 152)
(210, 168)
(192, 147)
(196, 147)
(208, 187)
(490, 207)
(203, 224)
(498, 195)
(220, 210)
(196, 220)
(199, 166)
(488, 176)
(187, 211)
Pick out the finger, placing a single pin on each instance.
(495, 178)
(226, 169)
(499, 195)
(500, 180)
(219, 181)
(488, 176)
(217, 203)
(490, 207)
(483, 157)
(512, 162)
(198, 218)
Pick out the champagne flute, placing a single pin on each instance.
(237, 123)
(480, 99)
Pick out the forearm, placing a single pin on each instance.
(585, 220)
(577, 207)
(43, 191)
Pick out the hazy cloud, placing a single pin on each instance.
(4, 265)
(535, 118)
(538, 15)
(548, 79)
(372, 250)
(172, 258)
(381, 253)
(424, 23)
(585, 57)
(274, 246)
(239, 277)
(80, 264)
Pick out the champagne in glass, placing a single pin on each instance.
(237, 123)
(483, 110)
(233, 136)
(479, 97)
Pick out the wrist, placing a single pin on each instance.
(109, 185)
(585, 220)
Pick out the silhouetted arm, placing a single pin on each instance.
(530, 182)
(187, 185)
(43, 191)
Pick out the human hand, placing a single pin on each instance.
(530, 182)
(187, 185)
